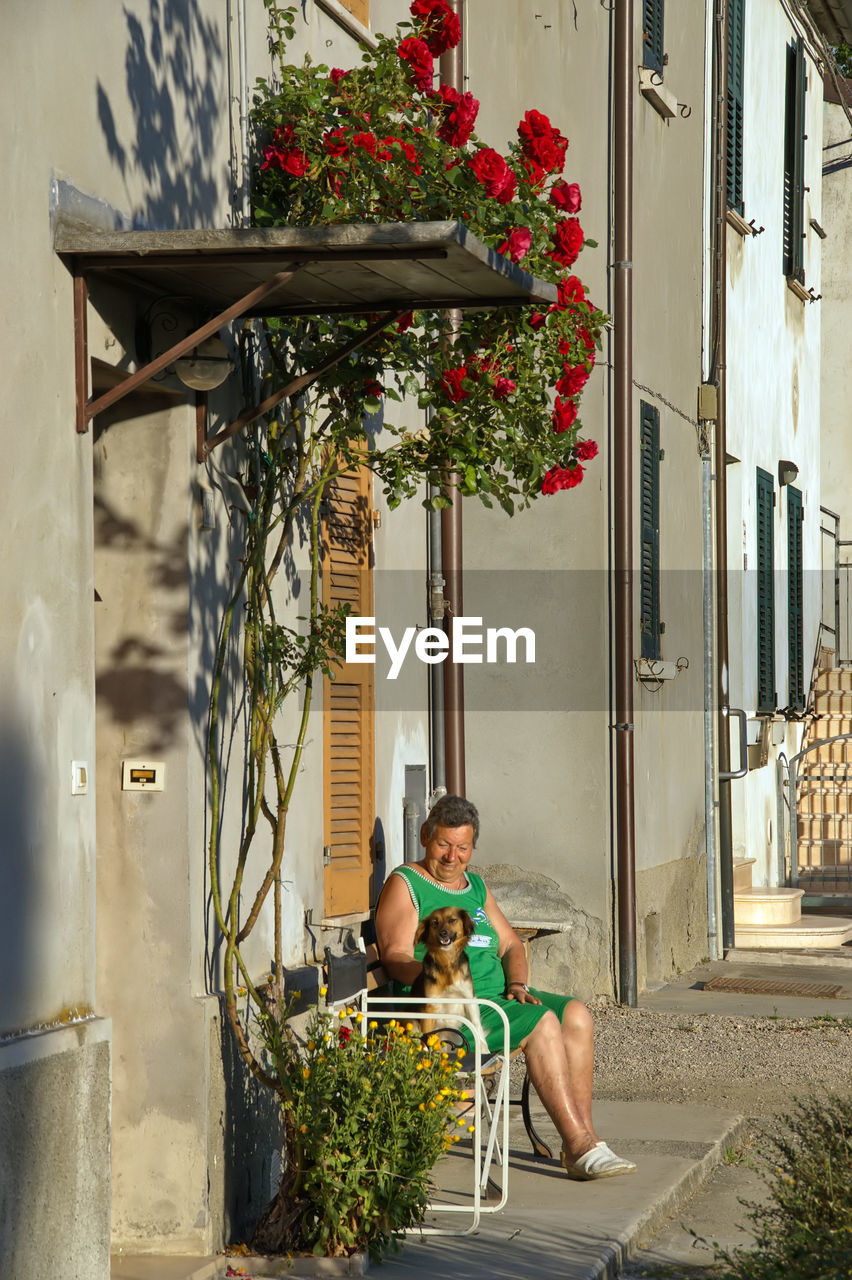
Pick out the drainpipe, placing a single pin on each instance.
(718, 375)
(452, 73)
(244, 117)
(623, 73)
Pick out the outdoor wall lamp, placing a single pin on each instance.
(206, 367)
(787, 472)
(202, 369)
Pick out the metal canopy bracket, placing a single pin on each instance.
(235, 273)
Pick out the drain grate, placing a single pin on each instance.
(768, 987)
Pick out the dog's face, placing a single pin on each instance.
(444, 929)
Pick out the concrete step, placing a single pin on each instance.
(839, 678)
(836, 702)
(820, 801)
(767, 907)
(829, 725)
(742, 873)
(814, 933)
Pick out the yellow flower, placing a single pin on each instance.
(464, 1095)
(422, 1106)
(359, 1017)
(306, 1071)
(241, 991)
(312, 1045)
(323, 991)
(409, 1026)
(349, 1012)
(471, 1128)
(373, 1025)
(431, 1106)
(460, 1120)
(342, 1014)
(303, 1128)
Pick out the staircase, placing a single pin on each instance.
(824, 790)
(771, 919)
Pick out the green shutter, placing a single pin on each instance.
(649, 603)
(652, 34)
(794, 163)
(734, 118)
(795, 577)
(765, 592)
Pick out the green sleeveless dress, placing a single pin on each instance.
(489, 981)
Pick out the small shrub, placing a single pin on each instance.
(804, 1231)
(368, 1113)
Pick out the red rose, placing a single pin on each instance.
(573, 380)
(541, 143)
(494, 174)
(420, 62)
(566, 195)
(405, 321)
(335, 142)
(537, 319)
(586, 450)
(386, 152)
(451, 382)
(345, 1034)
(372, 388)
(564, 414)
(336, 75)
(503, 388)
(442, 28)
(367, 141)
(567, 242)
(291, 160)
(459, 111)
(561, 478)
(517, 245)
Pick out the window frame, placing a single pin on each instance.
(734, 106)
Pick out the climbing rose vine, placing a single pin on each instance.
(382, 143)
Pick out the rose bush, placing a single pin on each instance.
(380, 143)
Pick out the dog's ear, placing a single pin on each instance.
(421, 929)
(467, 924)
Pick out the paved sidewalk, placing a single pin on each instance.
(551, 1226)
(555, 1229)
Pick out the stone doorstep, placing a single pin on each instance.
(767, 906)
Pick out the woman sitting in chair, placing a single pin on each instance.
(555, 1033)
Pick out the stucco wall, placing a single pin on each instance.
(773, 406)
(836, 318)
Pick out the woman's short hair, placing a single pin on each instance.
(452, 811)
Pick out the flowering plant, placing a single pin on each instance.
(369, 1110)
(382, 143)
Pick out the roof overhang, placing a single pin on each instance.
(383, 270)
(346, 268)
(834, 19)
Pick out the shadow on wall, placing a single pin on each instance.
(253, 1140)
(176, 83)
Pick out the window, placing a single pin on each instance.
(649, 604)
(734, 119)
(765, 592)
(652, 34)
(794, 163)
(795, 639)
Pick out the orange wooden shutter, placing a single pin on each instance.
(359, 9)
(348, 729)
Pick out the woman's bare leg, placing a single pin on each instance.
(568, 1104)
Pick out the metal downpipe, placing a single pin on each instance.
(623, 500)
(452, 74)
(718, 375)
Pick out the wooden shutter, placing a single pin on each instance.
(649, 483)
(652, 34)
(765, 592)
(348, 703)
(794, 163)
(734, 119)
(795, 578)
(359, 9)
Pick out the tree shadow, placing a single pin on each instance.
(176, 78)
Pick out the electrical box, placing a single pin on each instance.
(143, 775)
(708, 402)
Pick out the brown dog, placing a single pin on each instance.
(446, 969)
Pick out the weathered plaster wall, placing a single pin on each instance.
(836, 401)
(773, 406)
